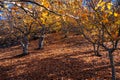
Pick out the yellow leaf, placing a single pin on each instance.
(30, 6)
(115, 14)
(45, 14)
(45, 3)
(102, 8)
(43, 20)
(110, 12)
(118, 22)
(100, 1)
(102, 4)
(109, 6)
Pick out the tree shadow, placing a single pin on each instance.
(62, 68)
(20, 55)
(3, 74)
(16, 56)
(39, 49)
(78, 53)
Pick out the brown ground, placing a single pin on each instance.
(61, 59)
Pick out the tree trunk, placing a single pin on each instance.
(24, 45)
(41, 38)
(96, 50)
(25, 49)
(41, 41)
(112, 65)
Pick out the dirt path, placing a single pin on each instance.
(61, 59)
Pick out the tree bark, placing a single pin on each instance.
(25, 49)
(96, 50)
(41, 41)
(112, 65)
(24, 45)
(41, 38)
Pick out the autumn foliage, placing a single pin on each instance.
(30, 22)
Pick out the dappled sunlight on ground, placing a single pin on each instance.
(61, 59)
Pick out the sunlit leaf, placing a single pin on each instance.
(115, 14)
(109, 6)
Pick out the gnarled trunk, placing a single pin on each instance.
(41, 41)
(41, 38)
(96, 50)
(25, 49)
(24, 45)
(112, 65)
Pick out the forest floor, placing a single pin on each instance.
(70, 58)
